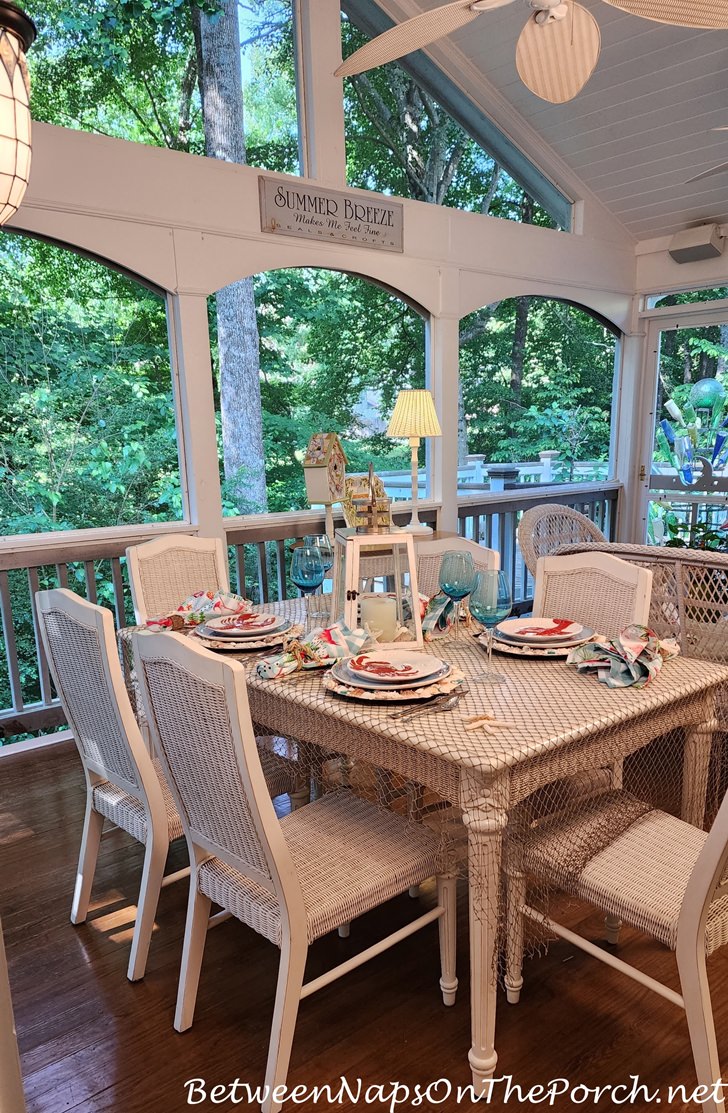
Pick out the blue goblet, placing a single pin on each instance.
(457, 577)
(490, 602)
(307, 573)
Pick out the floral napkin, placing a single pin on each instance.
(321, 647)
(631, 659)
(198, 608)
(439, 615)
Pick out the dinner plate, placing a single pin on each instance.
(341, 672)
(540, 631)
(240, 645)
(251, 624)
(393, 665)
(501, 645)
(566, 643)
(400, 695)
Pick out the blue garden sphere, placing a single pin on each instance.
(705, 393)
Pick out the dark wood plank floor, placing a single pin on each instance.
(92, 1042)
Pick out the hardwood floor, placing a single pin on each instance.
(91, 1041)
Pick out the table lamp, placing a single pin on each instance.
(414, 417)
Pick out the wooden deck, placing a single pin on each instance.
(90, 1041)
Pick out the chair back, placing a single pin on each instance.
(707, 883)
(79, 643)
(197, 708)
(429, 558)
(166, 571)
(597, 589)
(542, 529)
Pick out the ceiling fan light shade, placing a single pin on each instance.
(683, 13)
(16, 34)
(556, 59)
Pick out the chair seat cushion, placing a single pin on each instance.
(640, 877)
(129, 813)
(350, 856)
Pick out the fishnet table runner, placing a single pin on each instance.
(656, 741)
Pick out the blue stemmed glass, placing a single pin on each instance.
(490, 602)
(307, 573)
(457, 577)
(321, 542)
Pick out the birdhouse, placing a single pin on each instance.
(324, 467)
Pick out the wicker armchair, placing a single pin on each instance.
(165, 571)
(429, 558)
(660, 875)
(597, 589)
(123, 784)
(543, 529)
(291, 880)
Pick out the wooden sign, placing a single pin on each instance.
(319, 214)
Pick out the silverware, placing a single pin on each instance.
(445, 702)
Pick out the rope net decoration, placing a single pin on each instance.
(598, 759)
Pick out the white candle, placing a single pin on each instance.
(379, 614)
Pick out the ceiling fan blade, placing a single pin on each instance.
(683, 13)
(414, 33)
(555, 59)
(707, 173)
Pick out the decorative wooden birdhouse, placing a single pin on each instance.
(324, 467)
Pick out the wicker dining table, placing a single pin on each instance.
(556, 723)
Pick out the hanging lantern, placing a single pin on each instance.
(17, 32)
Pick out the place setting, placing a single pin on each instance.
(246, 631)
(539, 637)
(392, 676)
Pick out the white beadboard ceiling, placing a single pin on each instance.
(637, 131)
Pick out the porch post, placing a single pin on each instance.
(322, 149)
(632, 414)
(443, 378)
(192, 371)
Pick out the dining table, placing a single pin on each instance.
(554, 722)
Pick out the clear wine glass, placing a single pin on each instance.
(321, 542)
(307, 573)
(457, 577)
(490, 602)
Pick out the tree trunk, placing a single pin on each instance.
(720, 367)
(518, 347)
(220, 79)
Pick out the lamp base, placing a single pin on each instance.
(418, 528)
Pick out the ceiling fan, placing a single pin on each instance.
(714, 169)
(558, 48)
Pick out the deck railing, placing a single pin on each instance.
(259, 549)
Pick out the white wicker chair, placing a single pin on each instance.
(660, 875)
(12, 1098)
(165, 571)
(543, 529)
(291, 880)
(599, 590)
(123, 784)
(429, 558)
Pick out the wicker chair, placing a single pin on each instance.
(165, 571)
(291, 880)
(429, 558)
(597, 589)
(123, 784)
(660, 875)
(12, 1098)
(543, 529)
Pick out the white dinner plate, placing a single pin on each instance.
(504, 645)
(342, 673)
(251, 624)
(564, 643)
(540, 631)
(393, 665)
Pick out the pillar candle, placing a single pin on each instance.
(379, 613)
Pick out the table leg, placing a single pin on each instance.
(485, 815)
(696, 763)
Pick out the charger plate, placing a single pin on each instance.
(513, 650)
(399, 695)
(242, 645)
(343, 673)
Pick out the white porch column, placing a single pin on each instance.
(320, 94)
(189, 342)
(443, 376)
(633, 411)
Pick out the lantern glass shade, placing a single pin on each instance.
(14, 123)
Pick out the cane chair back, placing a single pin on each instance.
(291, 880)
(689, 594)
(543, 529)
(123, 783)
(430, 554)
(660, 875)
(597, 589)
(166, 571)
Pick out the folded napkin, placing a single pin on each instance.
(633, 658)
(439, 615)
(321, 647)
(198, 608)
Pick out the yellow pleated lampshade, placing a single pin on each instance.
(414, 415)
